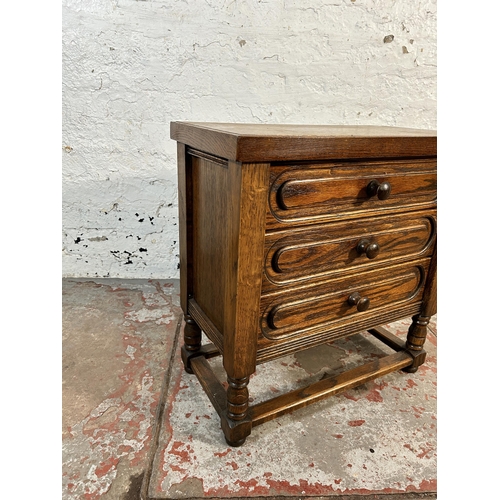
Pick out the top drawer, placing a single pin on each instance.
(334, 191)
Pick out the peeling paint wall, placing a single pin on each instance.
(132, 66)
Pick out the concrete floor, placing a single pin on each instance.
(132, 418)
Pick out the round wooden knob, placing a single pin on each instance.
(382, 190)
(370, 249)
(361, 303)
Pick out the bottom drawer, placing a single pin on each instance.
(340, 307)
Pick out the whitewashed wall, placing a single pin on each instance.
(130, 67)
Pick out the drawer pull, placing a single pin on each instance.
(382, 190)
(365, 247)
(361, 303)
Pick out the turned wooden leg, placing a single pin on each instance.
(415, 340)
(418, 330)
(192, 342)
(237, 398)
(237, 426)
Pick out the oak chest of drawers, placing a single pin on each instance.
(292, 236)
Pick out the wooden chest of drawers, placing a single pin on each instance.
(292, 236)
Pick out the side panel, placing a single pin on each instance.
(228, 226)
(209, 196)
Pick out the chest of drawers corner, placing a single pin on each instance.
(292, 236)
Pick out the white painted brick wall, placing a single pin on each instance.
(130, 67)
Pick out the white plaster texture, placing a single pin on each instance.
(131, 67)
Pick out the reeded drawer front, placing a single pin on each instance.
(295, 313)
(339, 191)
(322, 251)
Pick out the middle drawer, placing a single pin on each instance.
(293, 257)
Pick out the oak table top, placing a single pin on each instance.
(246, 142)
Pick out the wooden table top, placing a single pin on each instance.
(247, 142)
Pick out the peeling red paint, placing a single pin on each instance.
(350, 396)
(425, 451)
(285, 488)
(425, 485)
(428, 485)
(166, 420)
(106, 466)
(175, 450)
(177, 468)
(374, 396)
(418, 411)
(411, 383)
(223, 453)
(124, 448)
(356, 423)
(251, 486)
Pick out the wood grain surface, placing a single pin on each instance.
(255, 143)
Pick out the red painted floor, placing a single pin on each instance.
(117, 341)
(132, 418)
